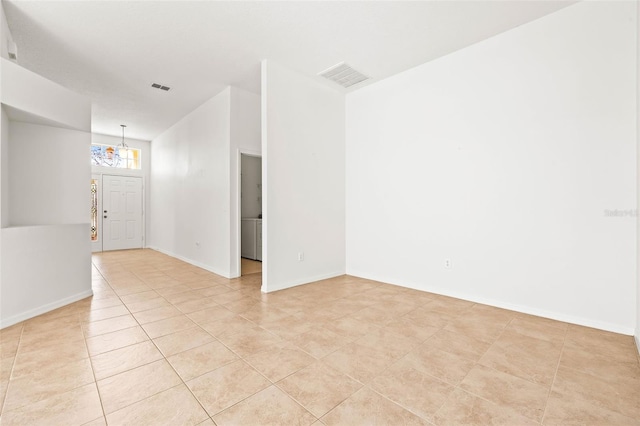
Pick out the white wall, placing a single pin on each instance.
(637, 335)
(303, 178)
(45, 181)
(4, 170)
(144, 172)
(47, 186)
(503, 158)
(245, 137)
(43, 268)
(190, 187)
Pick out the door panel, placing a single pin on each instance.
(122, 211)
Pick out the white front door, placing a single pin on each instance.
(121, 212)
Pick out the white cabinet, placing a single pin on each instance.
(251, 239)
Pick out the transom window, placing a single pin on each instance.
(115, 156)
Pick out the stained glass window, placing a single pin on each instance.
(94, 210)
(115, 156)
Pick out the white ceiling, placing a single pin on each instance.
(111, 51)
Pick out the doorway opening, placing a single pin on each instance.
(250, 214)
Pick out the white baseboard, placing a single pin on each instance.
(600, 325)
(6, 322)
(271, 288)
(192, 262)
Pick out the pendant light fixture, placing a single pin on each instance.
(123, 148)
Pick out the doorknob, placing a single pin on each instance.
(105, 211)
(105, 216)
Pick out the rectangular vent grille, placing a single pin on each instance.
(344, 75)
(160, 86)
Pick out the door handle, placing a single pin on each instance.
(105, 211)
(105, 216)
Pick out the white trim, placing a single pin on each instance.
(44, 309)
(637, 339)
(190, 261)
(295, 283)
(615, 328)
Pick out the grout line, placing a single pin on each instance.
(555, 374)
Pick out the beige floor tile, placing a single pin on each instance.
(156, 314)
(140, 297)
(101, 314)
(319, 342)
(565, 410)
(116, 340)
(526, 357)
(412, 328)
(374, 316)
(446, 366)
(135, 385)
(600, 366)
(251, 342)
(38, 340)
(226, 386)
(77, 406)
(197, 305)
(214, 313)
(385, 340)
(230, 325)
(526, 398)
(43, 384)
(241, 305)
(360, 362)
(405, 350)
(268, 407)
(349, 327)
(44, 323)
(96, 328)
(181, 341)
(463, 408)
(202, 359)
(619, 396)
(540, 328)
(278, 364)
(475, 328)
(101, 421)
(120, 360)
(414, 390)
(147, 305)
(459, 344)
(168, 326)
(319, 388)
(175, 406)
(368, 407)
(50, 357)
(289, 327)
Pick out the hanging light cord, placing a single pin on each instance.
(124, 145)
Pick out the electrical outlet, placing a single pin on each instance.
(300, 256)
(447, 263)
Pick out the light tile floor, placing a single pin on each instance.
(165, 343)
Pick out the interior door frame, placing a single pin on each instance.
(144, 210)
(238, 189)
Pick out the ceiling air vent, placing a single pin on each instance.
(344, 75)
(160, 86)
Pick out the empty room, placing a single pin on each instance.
(319, 212)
